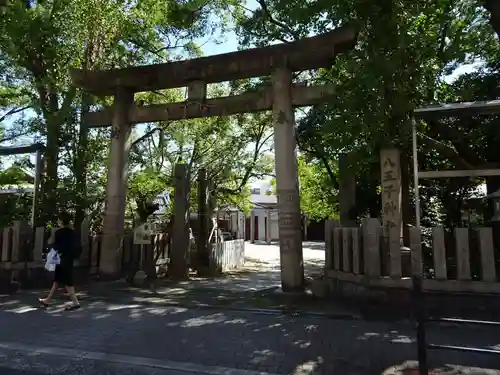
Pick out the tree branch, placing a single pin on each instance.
(145, 136)
(13, 111)
(12, 137)
(249, 169)
(447, 151)
(275, 22)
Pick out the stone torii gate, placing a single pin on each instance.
(278, 61)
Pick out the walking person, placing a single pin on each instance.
(64, 243)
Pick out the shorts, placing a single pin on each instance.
(63, 275)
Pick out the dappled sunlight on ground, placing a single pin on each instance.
(175, 322)
(261, 273)
(411, 368)
(314, 251)
(278, 344)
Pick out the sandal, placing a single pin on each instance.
(43, 303)
(72, 307)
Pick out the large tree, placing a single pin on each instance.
(40, 41)
(405, 50)
(231, 149)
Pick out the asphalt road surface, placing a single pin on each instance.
(9, 371)
(25, 363)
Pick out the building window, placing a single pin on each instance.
(256, 191)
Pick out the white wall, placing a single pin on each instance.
(264, 197)
(261, 214)
(238, 228)
(266, 193)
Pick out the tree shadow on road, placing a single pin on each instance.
(256, 285)
(279, 344)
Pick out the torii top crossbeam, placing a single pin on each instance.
(305, 54)
(7, 151)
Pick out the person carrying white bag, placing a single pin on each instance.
(61, 260)
(53, 259)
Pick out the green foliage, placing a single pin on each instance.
(143, 187)
(405, 49)
(315, 201)
(41, 41)
(14, 176)
(233, 150)
(14, 207)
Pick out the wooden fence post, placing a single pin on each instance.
(439, 253)
(329, 243)
(485, 236)
(16, 242)
(39, 242)
(395, 268)
(337, 246)
(463, 259)
(416, 251)
(6, 242)
(355, 251)
(346, 249)
(371, 247)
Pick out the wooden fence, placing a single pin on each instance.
(23, 247)
(21, 244)
(461, 260)
(228, 255)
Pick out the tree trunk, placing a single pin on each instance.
(493, 6)
(202, 243)
(81, 164)
(49, 189)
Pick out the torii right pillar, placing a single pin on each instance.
(287, 183)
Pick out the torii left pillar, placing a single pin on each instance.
(114, 218)
(287, 183)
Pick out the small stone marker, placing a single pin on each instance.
(142, 236)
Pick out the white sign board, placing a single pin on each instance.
(142, 234)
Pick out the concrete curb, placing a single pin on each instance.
(128, 360)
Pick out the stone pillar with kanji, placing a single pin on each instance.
(390, 165)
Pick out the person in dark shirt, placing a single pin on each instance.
(64, 243)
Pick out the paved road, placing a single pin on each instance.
(264, 260)
(87, 368)
(267, 258)
(215, 342)
(25, 363)
(313, 252)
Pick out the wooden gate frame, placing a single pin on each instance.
(484, 108)
(435, 112)
(38, 149)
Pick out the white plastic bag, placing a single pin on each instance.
(53, 259)
(50, 267)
